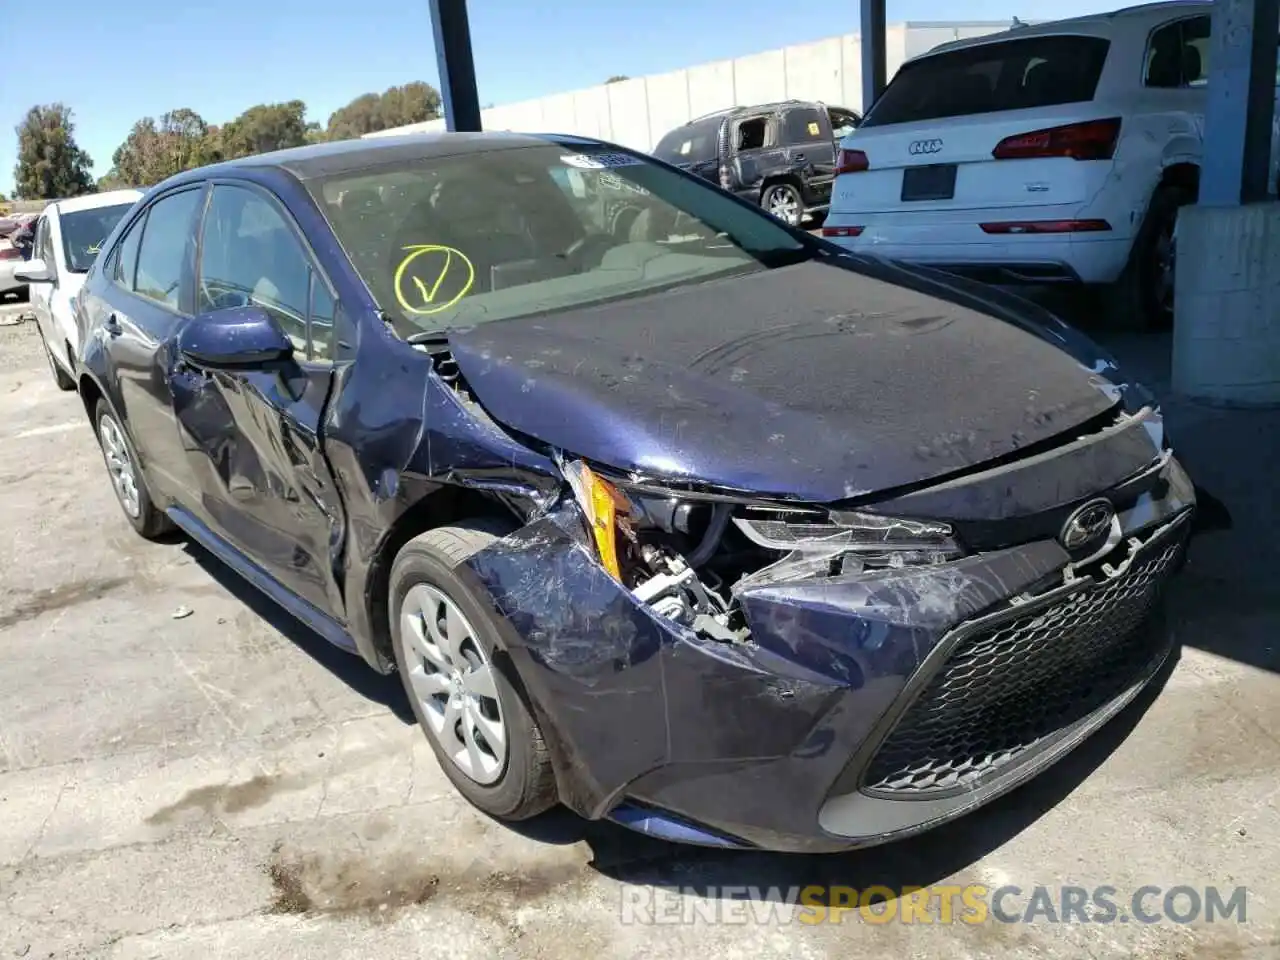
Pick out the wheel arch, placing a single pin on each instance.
(782, 176)
(447, 504)
(90, 393)
(1183, 173)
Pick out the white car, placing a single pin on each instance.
(67, 239)
(10, 260)
(1054, 153)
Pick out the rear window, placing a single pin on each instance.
(692, 143)
(1009, 75)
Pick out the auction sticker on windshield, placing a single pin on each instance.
(601, 161)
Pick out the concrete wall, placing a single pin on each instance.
(637, 112)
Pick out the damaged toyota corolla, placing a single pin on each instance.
(660, 508)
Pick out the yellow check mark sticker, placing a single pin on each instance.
(432, 278)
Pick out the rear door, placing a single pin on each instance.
(757, 152)
(252, 436)
(931, 139)
(130, 322)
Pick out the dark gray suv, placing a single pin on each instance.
(781, 155)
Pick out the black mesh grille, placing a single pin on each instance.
(1005, 690)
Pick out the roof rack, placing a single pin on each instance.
(725, 111)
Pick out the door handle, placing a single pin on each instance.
(797, 156)
(112, 326)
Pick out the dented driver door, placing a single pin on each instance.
(253, 435)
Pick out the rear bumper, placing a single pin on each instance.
(1028, 259)
(954, 240)
(808, 738)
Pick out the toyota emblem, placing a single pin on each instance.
(918, 148)
(1087, 524)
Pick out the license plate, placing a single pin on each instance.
(935, 181)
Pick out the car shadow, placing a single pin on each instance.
(919, 861)
(383, 689)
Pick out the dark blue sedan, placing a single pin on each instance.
(660, 508)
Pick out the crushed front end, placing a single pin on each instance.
(720, 669)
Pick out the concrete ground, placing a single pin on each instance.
(186, 773)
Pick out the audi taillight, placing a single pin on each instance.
(1091, 140)
(1046, 226)
(851, 161)
(842, 231)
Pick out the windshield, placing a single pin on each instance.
(83, 232)
(1021, 74)
(486, 236)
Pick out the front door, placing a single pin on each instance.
(41, 294)
(252, 436)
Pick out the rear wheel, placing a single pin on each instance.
(126, 477)
(461, 685)
(1143, 297)
(784, 202)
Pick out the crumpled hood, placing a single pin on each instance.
(809, 382)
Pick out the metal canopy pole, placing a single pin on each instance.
(874, 67)
(456, 66)
(1236, 164)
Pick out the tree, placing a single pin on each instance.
(617, 78)
(50, 162)
(157, 149)
(394, 107)
(265, 127)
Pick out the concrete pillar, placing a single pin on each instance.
(1226, 329)
(456, 67)
(1226, 334)
(873, 52)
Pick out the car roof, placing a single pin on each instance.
(92, 201)
(1099, 23)
(755, 108)
(351, 156)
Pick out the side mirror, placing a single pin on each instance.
(34, 271)
(239, 337)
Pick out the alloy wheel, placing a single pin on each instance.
(124, 476)
(453, 680)
(784, 205)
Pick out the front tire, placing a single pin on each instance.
(783, 200)
(126, 476)
(460, 683)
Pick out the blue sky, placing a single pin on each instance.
(115, 63)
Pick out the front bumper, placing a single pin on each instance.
(864, 708)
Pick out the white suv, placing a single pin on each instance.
(67, 239)
(1054, 153)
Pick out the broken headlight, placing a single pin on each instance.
(869, 535)
(643, 543)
